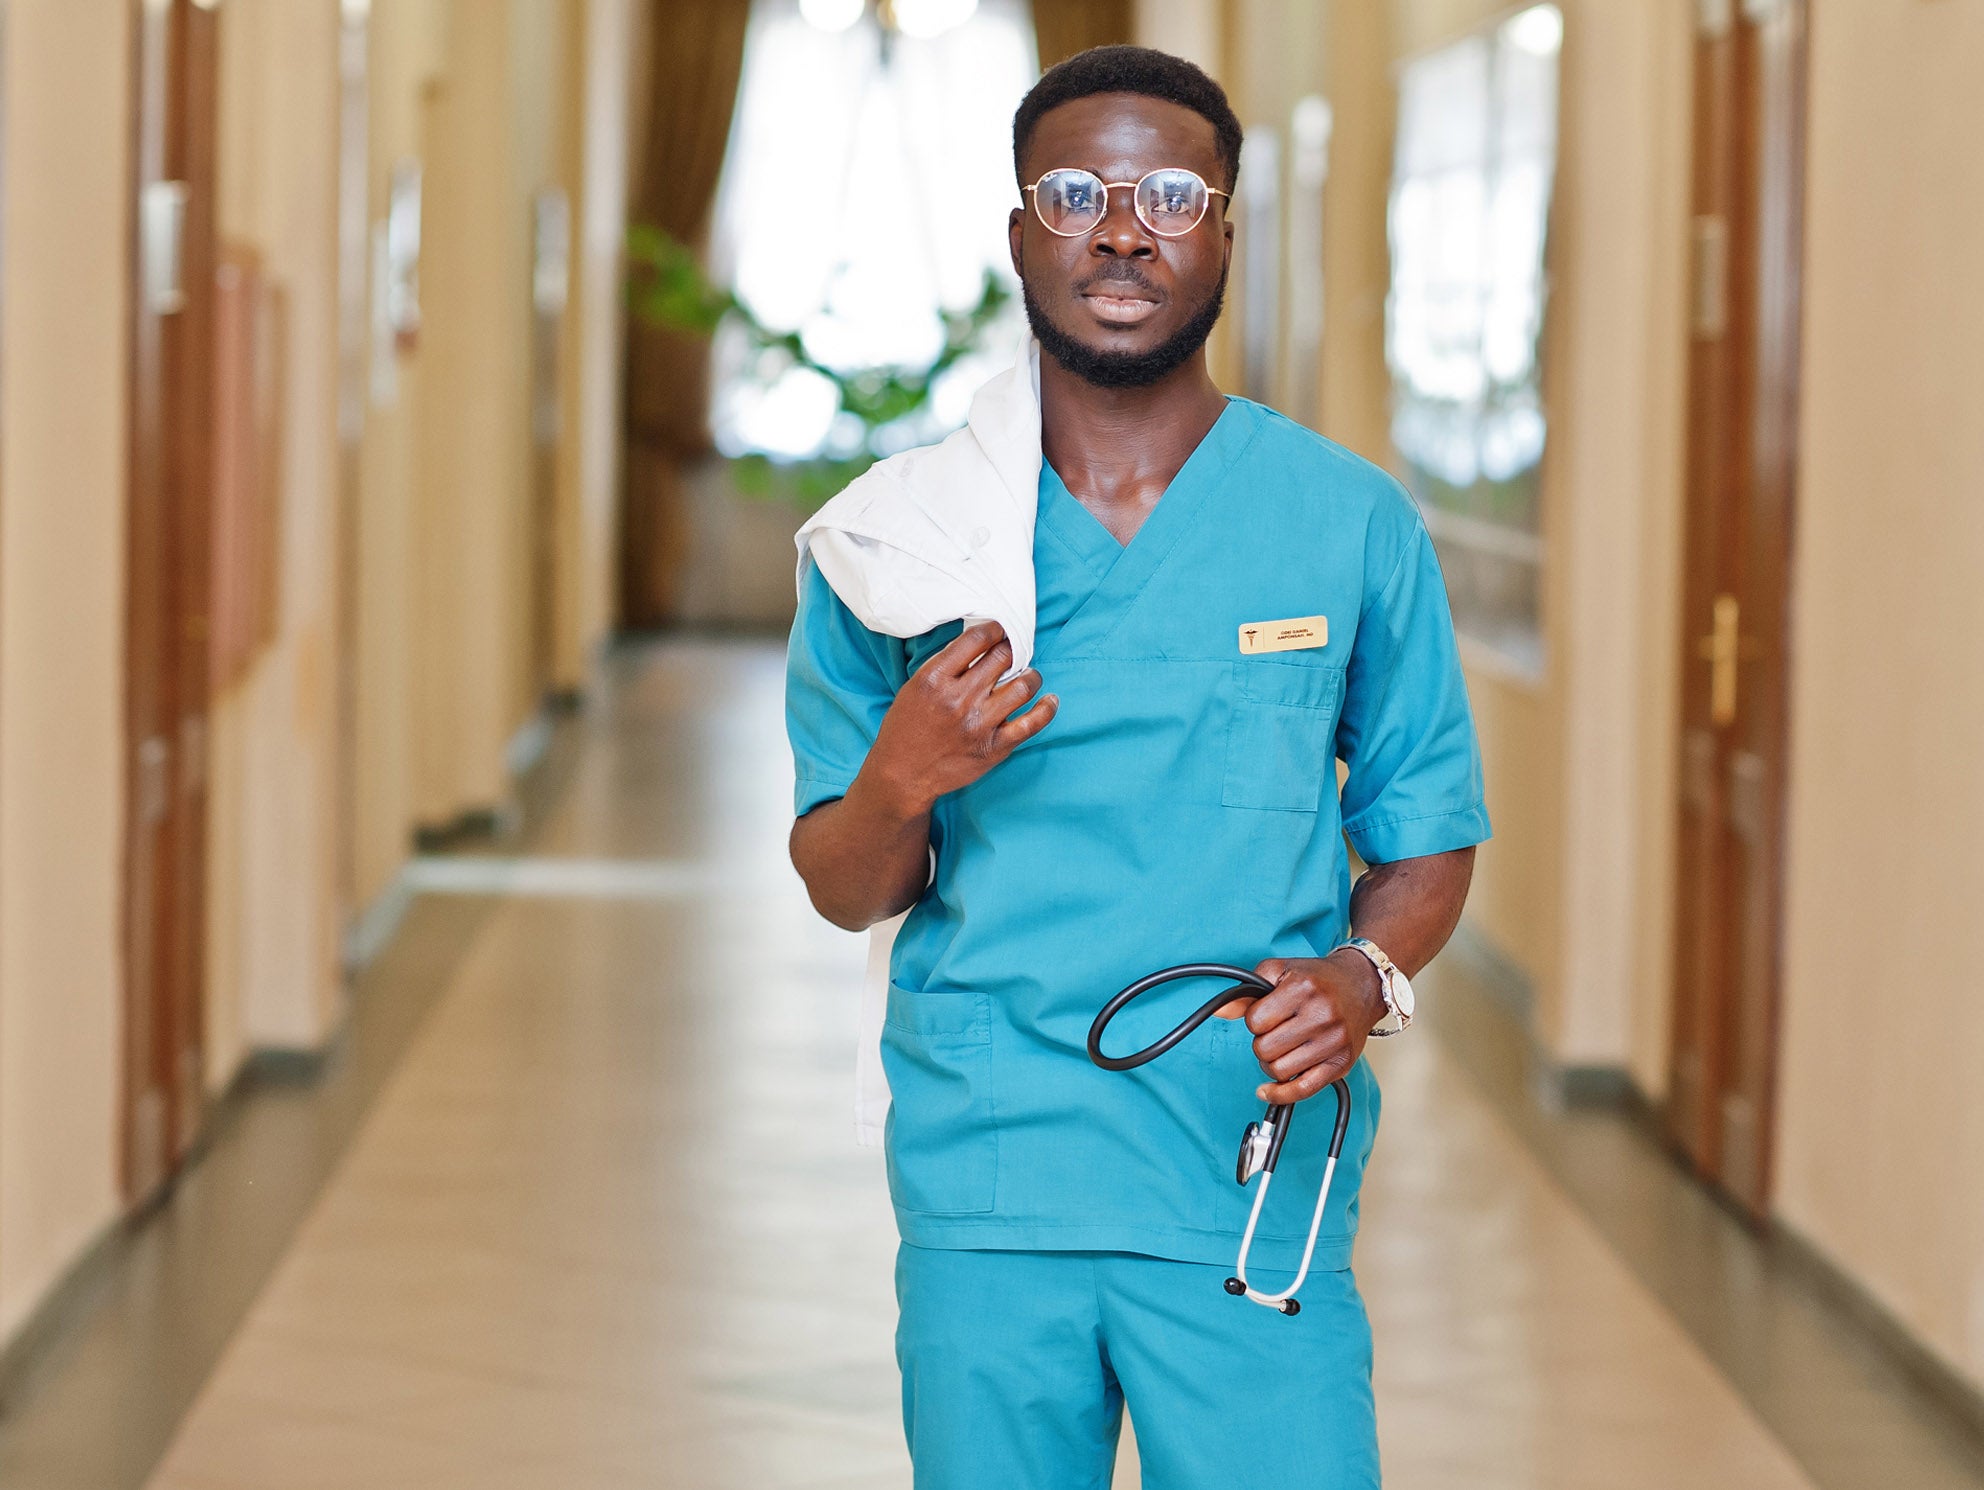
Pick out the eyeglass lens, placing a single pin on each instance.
(1170, 202)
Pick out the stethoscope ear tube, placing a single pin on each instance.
(1260, 1147)
(1245, 977)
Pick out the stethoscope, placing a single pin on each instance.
(1260, 1145)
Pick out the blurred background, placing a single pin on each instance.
(418, 1064)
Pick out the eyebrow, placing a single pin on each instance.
(1132, 174)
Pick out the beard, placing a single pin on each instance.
(1107, 369)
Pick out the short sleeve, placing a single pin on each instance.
(1413, 785)
(840, 679)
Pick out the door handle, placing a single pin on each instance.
(1709, 277)
(162, 239)
(154, 790)
(1722, 649)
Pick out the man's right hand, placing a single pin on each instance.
(954, 720)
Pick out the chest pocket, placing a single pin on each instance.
(1280, 745)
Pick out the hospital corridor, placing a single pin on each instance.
(528, 526)
(604, 1224)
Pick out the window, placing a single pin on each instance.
(1470, 204)
(865, 192)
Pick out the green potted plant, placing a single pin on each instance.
(668, 287)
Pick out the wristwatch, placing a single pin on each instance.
(1392, 983)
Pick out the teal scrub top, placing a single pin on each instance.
(1181, 807)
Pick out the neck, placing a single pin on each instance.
(1105, 440)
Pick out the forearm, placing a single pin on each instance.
(864, 857)
(1411, 906)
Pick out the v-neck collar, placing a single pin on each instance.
(1078, 530)
(1085, 531)
(1121, 569)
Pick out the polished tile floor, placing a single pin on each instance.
(604, 1225)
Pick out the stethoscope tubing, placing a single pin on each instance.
(1279, 1119)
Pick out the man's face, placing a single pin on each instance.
(1121, 306)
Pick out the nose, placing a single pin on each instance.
(1121, 234)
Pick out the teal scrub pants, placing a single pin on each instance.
(1016, 1368)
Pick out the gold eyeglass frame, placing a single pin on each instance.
(1136, 199)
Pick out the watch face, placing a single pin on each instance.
(1402, 992)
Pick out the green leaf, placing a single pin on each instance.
(667, 286)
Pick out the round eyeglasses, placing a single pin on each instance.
(1170, 201)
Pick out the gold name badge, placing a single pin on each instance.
(1285, 636)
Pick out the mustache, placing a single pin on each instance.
(1115, 270)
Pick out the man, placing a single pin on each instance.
(1066, 1230)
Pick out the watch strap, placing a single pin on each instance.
(1387, 971)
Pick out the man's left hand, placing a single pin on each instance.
(1311, 1026)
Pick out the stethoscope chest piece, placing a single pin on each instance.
(1261, 1143)
(1253, 1153)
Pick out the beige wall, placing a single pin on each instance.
(1185, 28)
(1356, 254)
(497, 102)
(598, 95)
(1881, 1111)
(499, 121)
(472, 488)
(406, 43)
(62, 501)
(1617, 388)
(273, 899)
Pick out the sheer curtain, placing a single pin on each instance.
(865, 190)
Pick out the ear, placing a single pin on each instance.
(1015, 236)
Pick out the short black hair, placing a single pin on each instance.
(1126, 69)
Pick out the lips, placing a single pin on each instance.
(1120, 307)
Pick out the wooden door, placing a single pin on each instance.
(172, 443)
(1742, 425)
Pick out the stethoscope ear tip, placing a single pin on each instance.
(1290, 1307)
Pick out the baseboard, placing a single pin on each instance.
(1592, 1085)
(1557, 1085)
(527, 745)
(66, 1301)
(373, 927)
(1937, 1378)
(470, 826)
(284, 1066)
